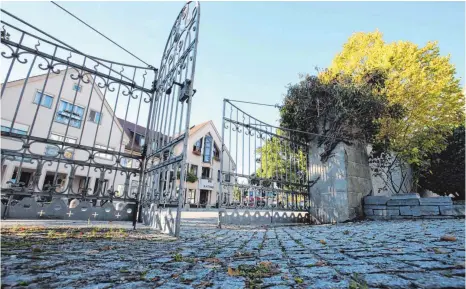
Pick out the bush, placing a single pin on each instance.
(446, 174)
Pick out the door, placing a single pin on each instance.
(203, 197)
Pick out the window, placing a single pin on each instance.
(52, 150)
(139, 139)
(218, 176)
(95, 116)
(18, 131)
(194, 170)
(103, 155)
(46, 100)
(52, 178)
(227, 178)
(216, 152)
(127, 163)
(83, 184)
(205, 173)
(207, 149)
(192, 196)
(69, 113)
(77, 87)
(197, 147)
(17, 127)
(23, 176)
(103, 186)
(120, 191)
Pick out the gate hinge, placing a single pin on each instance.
(186, 90)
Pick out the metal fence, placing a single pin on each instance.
(79, 127)
(271, 165)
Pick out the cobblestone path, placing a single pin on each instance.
(395, 254)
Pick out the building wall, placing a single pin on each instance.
(45, 122)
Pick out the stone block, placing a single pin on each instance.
(429, 210)
(403, 202)
(459, 210)
(446, 210)
(436, 201)
(405, 196)
(368, 212)
(438, 217)
(380, 212)
(375, 200)
(414, 211)
(376, 207)
(377, 217)
(392, 212)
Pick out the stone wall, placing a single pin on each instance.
(358, 175)
(401, 176)
(410, 206)
(344, 179)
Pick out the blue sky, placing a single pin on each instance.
(249, 50)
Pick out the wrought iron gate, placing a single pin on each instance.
(108, 135)
(267, 170)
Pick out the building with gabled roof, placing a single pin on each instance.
(69, 111)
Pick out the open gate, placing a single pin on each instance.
(267, 180)
(91, 139)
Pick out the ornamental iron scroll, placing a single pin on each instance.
(268, 168)
(76, 126)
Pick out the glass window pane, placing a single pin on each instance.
(47, 101)
(51, 151)
(207, 149)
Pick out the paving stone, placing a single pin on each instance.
(431, 265)
(385, 280)
(383, 253)
(433, 280)
(359, 269)
(325, 284)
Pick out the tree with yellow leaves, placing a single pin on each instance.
(418, 79)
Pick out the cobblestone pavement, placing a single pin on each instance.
(395, 254)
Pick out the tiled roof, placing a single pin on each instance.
(197, 127)
(130, 128)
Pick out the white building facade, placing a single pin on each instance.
(68, 111)
(204, 166)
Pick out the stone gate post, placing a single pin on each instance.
(345, 178)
